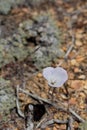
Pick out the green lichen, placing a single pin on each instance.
(6, 5)
(7, 98)
(83, 126)
(41, 31)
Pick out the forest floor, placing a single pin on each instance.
(72, 19)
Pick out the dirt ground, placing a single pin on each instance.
(72, 19)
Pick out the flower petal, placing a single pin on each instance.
(47, 72)
(56, 84)
(60, 74)
(56, 77)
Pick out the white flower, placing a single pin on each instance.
(56, 77)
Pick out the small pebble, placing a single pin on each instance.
(82, 77)
(64, 97)
(73, 62)
(78, 43)
(76, 70)
(39, 75)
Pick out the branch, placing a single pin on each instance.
(53, 104)
(17, 103)
(69, 124)
(50, 122)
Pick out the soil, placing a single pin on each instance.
(71, 17)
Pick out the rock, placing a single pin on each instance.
(78, 43)
(77, 70)
(83, 77)
(74, 62)
(39, 75)
(7, 98)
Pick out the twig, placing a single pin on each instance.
(50, 122)
(17, 103)
(36, 97)
(69, 124)
(68, 51)
(29, 124)
(39, 124)
(53, 104)
(76, 115)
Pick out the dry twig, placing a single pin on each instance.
(17, 103)
(53, 104)
(69, 124)
(50, 122)
(30, 124)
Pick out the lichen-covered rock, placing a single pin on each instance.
(7, 98)
(40, 32)
(6, 5)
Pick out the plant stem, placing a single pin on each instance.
(53, 90)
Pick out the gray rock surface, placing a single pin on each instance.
(7, 98)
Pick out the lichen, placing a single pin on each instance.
(40, 31)
(7, 98)
(6, 5)
(83, 126)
